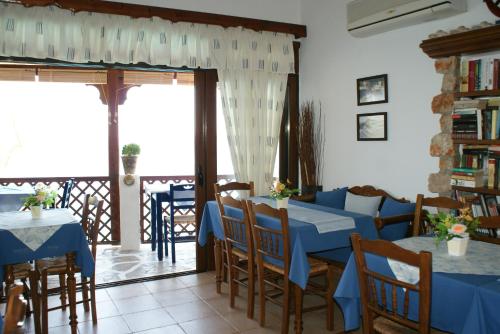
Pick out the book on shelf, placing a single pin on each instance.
(491, 205)
(475, 201)
(476, 119)
(467, 177)
(479, 74)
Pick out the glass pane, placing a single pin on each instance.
(160, 118)
(52, 130)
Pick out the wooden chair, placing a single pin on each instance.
(421, 222)
(15, 309)
(239, 250)
(488, 230)
(272, 248)
(231, 187)
(22, 272)
(220, 253)
(91, 220)
(378, 315)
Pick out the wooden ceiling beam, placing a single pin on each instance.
(174, 15)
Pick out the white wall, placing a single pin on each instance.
(273, 10)
(331, 61)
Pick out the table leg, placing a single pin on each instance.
(298, 309)
(71, 284)
(153, 222)
(9, 278)
(218, 264)
(159, 229)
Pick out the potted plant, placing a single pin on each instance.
(281, 193)
(130, 152)
(311, 147)
(44, 196)
(454, 229)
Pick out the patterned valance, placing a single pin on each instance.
(54, 33)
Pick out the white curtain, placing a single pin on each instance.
(252, 66)
(252, 103)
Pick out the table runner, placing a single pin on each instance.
(477, 260)
(35, 232)
(322, 220)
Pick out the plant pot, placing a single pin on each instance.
(458, 246)
(36, 211)
(282, 203)
(129, 163)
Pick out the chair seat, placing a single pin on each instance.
(21, 270)
(317, 267)
(239, 253)
(387, 326)
(56, 265)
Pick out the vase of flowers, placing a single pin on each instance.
(454, 229)
(281, 193)
(43, 197)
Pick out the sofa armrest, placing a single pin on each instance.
(381, 222)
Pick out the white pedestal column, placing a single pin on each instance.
(130, 215)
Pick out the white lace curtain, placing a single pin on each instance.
(252, 66)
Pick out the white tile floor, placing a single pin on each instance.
(187, 304)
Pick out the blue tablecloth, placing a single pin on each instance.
(69, 238)
(460, 303)
(304, 237)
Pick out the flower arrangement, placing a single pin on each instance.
(446, 227)
(281, 190)
(43, 196)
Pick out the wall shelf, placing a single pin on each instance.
(480, 190)
(478, 93)
(477, 141)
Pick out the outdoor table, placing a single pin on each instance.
(465, 293)
(11, 197)
(57, 233)
(158, 194)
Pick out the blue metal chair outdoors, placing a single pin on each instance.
(68, 187)
(181, 200)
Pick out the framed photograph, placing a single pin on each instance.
(372, 126)
(372, 90)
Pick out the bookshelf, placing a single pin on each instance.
(480, 190)
(478, 93)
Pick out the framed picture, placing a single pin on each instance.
(372, 90)
(372, 126)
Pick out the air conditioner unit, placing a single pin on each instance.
(370, 17)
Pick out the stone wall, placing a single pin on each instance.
(441, 144)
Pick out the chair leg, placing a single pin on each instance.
(218, 265)
(26, 295)
(285, 318)
(236, 276)
(85, 294)
(330, 275)
(172, 237)
(44, 306)
(62, 284)
(299, 295)
(93, 300)
(153, 223)
(262, 298)
(232, 283)
(35, 299)
(251, 290)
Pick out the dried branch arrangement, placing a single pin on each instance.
(311, 144)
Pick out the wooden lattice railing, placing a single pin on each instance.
(145, 205)
(95, 186)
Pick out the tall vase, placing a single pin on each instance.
(282, 203)
(458, 246)
(36, 211)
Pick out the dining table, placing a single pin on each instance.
(57, 233)
(11, 196)
(465, 290)
(312, 228)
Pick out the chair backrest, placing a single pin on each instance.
(231, 187)
(182, 196)
(376, 288)
(272, 243)
(68, 187)
(91, 220)
(237, 231)
(488, 230)
(15, 309)
(420, 223)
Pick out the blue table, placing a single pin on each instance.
(11, 197)
(460, 303)
(304, 237)
(66, 236)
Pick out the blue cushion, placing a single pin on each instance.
(395, 208)
(333, 199)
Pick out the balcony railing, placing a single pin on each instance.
(100, 186)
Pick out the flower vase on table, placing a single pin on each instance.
(281, 193)
(44, 196)
(455, 230)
